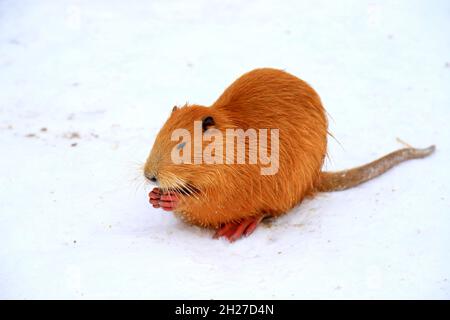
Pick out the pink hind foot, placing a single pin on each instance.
(168, 201)
(235, 231)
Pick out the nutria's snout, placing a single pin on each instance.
(151, 169)
(167, 181)
(151, 177)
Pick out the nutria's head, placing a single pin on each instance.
(191, 176)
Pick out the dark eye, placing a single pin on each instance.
(207, 123)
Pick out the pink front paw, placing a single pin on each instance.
(155, 197)
(168, 201)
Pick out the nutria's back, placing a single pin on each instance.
(270, 98)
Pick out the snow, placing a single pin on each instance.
(102, 77)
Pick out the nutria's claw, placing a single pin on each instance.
(235, 231)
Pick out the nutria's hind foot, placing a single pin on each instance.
(234, 231)
(168, 201)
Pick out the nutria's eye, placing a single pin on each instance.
(207, 123)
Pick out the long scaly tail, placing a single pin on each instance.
(341, 180)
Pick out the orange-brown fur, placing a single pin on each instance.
(260, 99)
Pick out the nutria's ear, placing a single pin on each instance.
(175, 108)
(207, 123)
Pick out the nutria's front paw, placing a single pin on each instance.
(168, 201)
(155, 197)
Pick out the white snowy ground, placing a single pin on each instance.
(102, 76)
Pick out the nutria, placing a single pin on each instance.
(234, 198)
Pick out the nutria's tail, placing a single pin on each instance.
(341, 180)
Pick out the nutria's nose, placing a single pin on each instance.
(151, 177)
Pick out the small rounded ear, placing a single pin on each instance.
(207, 123)
(175, 108)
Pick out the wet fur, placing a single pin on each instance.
(260, 99)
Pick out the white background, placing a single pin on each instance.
(104, 75)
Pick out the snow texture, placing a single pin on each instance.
(86, 85)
